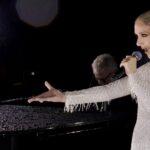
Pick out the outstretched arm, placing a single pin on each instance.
(96, 94)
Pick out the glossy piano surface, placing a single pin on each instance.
(42, 126)
(16, 118)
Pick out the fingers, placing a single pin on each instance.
(30, 100)
(48, 99)
(126, 59)
(35, 100)
(40, 98)
(49, 87)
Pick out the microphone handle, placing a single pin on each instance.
(118, 76)
(138, 57)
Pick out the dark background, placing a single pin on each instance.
(62, 52)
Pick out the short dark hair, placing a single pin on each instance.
(104, 61)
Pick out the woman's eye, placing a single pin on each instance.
(144, 35)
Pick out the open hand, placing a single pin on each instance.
(52, 95)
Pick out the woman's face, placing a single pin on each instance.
(143, 36)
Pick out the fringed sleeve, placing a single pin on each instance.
(134, 82)
(140, 85)
(77, 100)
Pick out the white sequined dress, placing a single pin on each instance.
(135, 84)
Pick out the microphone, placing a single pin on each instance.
(137, 55)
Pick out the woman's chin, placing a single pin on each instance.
(148, 54)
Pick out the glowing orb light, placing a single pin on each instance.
(37, 13)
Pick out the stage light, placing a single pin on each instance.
(37, 13)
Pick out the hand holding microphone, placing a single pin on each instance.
(130, 62)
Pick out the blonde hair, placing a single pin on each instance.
(144, 17)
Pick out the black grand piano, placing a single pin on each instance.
(44, 126)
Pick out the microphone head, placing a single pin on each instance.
(137, 54)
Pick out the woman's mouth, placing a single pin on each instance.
(145, 50)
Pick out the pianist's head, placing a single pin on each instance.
(104, 67)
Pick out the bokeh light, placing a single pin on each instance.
(37, 13)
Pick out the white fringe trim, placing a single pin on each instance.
(84, 107)
(133, 95)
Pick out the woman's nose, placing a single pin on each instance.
(139, 42)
